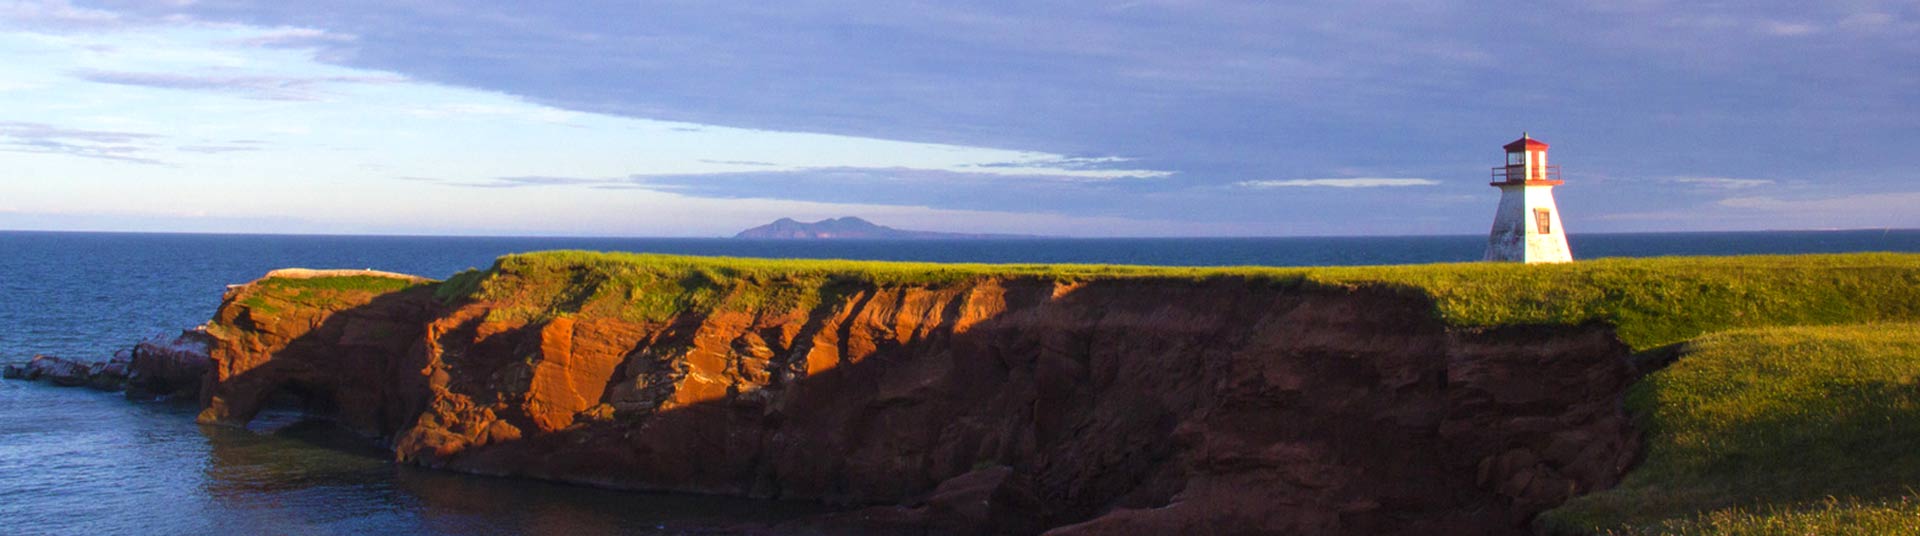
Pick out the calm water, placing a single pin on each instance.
(74, 461)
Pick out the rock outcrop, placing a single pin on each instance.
(990, 405)
(57, 371)
(162, 368)
(157, 368)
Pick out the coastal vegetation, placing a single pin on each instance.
(1787, 430)
(268, 294)
(1792, 406)
(1652, 302)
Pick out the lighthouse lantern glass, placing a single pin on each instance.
(1517, 158)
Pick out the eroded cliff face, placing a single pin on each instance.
(992, 405)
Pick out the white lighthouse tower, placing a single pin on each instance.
(1526, 228)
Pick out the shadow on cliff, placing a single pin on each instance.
(347, 367)
(1112, 406)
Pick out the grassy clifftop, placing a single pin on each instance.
(1801, 430)
(1652, 302)
(1793, 410)
(274, 292)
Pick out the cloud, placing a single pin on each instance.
(1195, 203)
(755, 163)
(518, 182)
(1876, 203)
(262, 87)
(216, 149)
(665, 181)
(1070, 168)
(943, 189)
(1201, 94)
(1787, 29)
(1724, 182)
(54, 15)
(1065, 162)
(295, 37)
(1868, 21)
(1358, 182)
(26, 130)
(523, 112)
(26, 137)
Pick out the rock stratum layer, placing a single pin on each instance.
(990, 404)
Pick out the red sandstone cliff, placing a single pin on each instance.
(994, 405)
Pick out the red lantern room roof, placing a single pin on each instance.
(1525, 143)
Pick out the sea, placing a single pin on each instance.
(77, 461)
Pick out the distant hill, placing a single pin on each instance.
(849, 227)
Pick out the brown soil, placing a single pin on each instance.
(1126, 406)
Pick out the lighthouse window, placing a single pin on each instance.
(1543, 219)
(1516, 158)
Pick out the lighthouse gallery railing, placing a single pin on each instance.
(1510, 173)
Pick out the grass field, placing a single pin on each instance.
(1793, 430)
(1653, 302)
(321, 291)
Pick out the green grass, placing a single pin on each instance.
(1652, 302)
(644, 287)
(361, 283)
(266, 295)
(1831, 517)
(1772, 431)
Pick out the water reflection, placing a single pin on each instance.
(312, 476)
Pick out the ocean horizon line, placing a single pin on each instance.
(991, 239)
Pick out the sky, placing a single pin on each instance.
(1084, 118)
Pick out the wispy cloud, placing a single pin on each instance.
(527, 112)
(1724, 182)
(262, 87)
(1068, 162)
(1010, 107)
(877, 186)
(1857, 204)
(519, 182)
(1787, 29)
(664, 181)
(1356, 182)
(28, 137)
(216, 149)
(54, 14)
(755, 163)
(294, 37)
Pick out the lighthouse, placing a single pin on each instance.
(1526, 227)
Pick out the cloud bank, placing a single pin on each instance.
(1145, 115)
(1358, 182)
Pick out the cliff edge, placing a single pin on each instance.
(972, 399)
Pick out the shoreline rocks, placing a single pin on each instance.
(173, 369)
(152, 369)
(109, 375)
(57, 371)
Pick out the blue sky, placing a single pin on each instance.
(1132, 118)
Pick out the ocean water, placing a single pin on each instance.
(74, 461)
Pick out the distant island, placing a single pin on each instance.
(851, 227)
